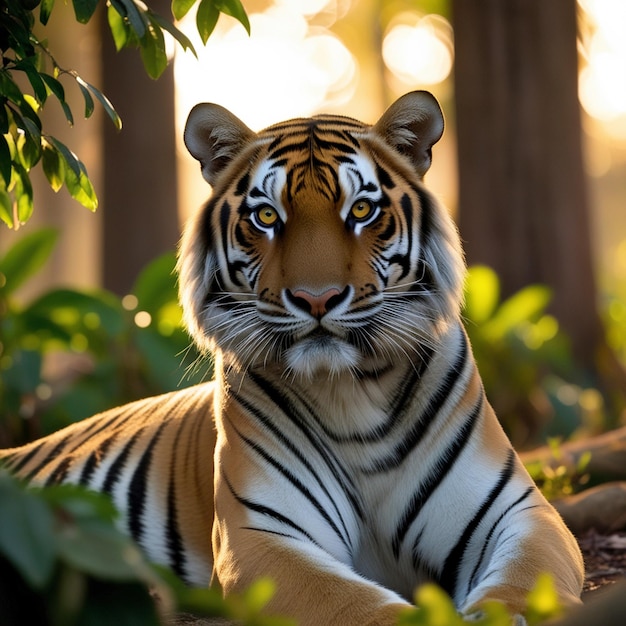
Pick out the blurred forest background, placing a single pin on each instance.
(532, 165)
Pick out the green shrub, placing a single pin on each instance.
(71, 353)
(64, 563)
(525, 361)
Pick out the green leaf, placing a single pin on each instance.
(89, 106)
(156, 284)
(80, 187)
(180, 8)
(23, 194)
(84, 9)
(5, 161)
(153, 51)
(29, 144)
(53, 166)
(57, 89)
(235, 9)
(543, 601)
(206, 19)
(136, 16)
(104, 101)
(39, 87)
(9, 88)
(26, 532)
(54, 85)
(521, 307)
(97, 548)
(118, 27)
(44, 11)
(80, 502)
(25, 257)
(182, 39)
(258, 594)
(68, 156)
(4, 119)
(6, 208)
(482, 293)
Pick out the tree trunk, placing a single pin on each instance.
(522, 189)
(139, 194)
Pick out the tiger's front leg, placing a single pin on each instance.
(312, 587)
(269, 524)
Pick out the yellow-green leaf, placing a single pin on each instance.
(235, 9)
(482, 292)
(53, 166)
(180, 8)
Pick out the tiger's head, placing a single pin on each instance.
(320, 250)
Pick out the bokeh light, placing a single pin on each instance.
(419, 50)
(602, 85)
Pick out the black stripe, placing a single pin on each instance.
(295, 416)
(94, 460)
(421, 426)
(300, 148)
(427, 210)
(383, 177)
(26, 458)
(404, 260)
(436, 476)
(60, 472)
(293, 449)
(483, 551)
(450, 573)
(114, 472)
(49, 458)
(268, 512)
(303, 489)
(175, 546)
(242, 184)
(137, 490)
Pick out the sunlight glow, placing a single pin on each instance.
(419, 52)
(602, 83)
(286, 68)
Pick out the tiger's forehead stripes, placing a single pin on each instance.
(310, 150)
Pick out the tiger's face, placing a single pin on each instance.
(320, 250)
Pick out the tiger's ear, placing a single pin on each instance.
(412, 125)
(214, 136)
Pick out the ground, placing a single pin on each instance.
(605, 559)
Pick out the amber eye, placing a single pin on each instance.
(266, 216)
(361, 210)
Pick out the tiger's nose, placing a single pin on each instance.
(316, 304)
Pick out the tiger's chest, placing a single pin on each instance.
(336, 465)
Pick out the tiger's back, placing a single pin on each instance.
(355, 453)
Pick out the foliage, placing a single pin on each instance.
(524, 358)
(435, 608)
(554, 477)
(64, 563)
(70, 353)
(23, 140)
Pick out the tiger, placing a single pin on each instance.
(345, 448)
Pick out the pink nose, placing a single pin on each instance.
(315, 304)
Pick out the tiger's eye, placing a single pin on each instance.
(267, 216)
(361, 210)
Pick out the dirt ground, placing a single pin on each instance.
(605, 560)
